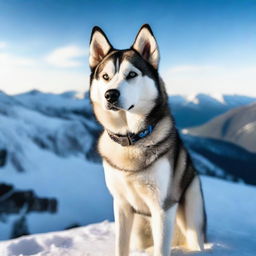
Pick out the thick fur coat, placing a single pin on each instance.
(158, 200)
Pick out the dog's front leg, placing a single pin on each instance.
(162, 229)
(123, 224)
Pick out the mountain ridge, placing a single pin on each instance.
(237, 126)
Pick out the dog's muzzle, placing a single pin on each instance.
(112, 97)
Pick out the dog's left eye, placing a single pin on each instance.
(105, 77)
(131, 75)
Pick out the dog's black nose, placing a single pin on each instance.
(112, 95)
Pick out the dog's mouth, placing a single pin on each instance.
(114, 106)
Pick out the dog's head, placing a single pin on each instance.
(124, 80)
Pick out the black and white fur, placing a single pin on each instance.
(157, 193)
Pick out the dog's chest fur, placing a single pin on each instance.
(142, 190)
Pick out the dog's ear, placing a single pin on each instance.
(99, 47)
(145, 44)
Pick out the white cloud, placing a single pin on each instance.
(190, 68)
(66, 57)
(7, 60)
(3, 45)
(19, 74)
(20, 79)
(210, 79)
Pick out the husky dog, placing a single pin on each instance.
(158, 200)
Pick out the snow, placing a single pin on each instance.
(192, 98)
(218, 99)
(71, 180)
(250, 127)
(196, 98)
(231, 229)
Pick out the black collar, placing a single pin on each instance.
(130, 138)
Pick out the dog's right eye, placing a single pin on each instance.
(131, 75)
(105, 77)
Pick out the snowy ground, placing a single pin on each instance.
(231, 212)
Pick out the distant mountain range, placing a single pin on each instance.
(197, 109)
(237, 126)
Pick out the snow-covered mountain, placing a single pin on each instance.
(49, 176)
(61, 123)
(48, 148)
(231, 229)
(194, 110)
(237, 126)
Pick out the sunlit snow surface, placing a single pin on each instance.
(231, 212)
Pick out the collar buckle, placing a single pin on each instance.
(125, 141)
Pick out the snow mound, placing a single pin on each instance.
(231, 229)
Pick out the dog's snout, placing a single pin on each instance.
(112, 95)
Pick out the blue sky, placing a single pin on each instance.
(206, 46)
